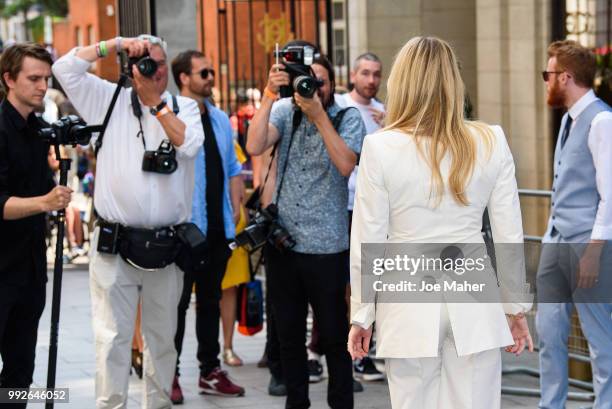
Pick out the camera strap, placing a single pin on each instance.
(296, 120)
(109, 111)
(295, 123)
(138, 113)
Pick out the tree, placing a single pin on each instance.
(50, 7)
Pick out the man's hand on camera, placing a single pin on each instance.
(56, 199)
(277, 78)
(145, 88)
(134, 47)
(311, 107)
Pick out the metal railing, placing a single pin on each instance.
(577, 341)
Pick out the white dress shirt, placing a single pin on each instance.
(600, 145)
(123, 192)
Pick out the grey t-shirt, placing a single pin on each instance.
(314, 196)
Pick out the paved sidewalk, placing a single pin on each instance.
(76, 364)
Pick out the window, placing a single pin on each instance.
(339, 46)
(78, 36)
(90, 35)
(338, 10)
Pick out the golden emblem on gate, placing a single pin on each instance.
(274, 30)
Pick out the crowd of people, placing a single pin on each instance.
(336, 171)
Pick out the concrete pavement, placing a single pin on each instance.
(76, 364)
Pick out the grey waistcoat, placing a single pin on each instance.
(575, 197)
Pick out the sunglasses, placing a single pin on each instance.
(204, 73)
(546, 74)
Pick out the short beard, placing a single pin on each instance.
(327, 103)
(555, 98)
(364, 94)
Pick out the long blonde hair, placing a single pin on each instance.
(425, 98)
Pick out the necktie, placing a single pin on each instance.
(566, 130)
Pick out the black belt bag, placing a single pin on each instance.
(148, 249)
(152, 249)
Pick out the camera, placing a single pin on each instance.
(163, 160)
(145, 64)
(264, 228)
(68, 130)
(297, 60)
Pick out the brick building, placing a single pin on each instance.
(88, 21)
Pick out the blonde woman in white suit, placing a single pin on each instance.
(427, 178)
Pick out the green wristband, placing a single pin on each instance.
(103, 49)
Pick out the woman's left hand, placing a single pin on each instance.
(520, 335)
(359, 341)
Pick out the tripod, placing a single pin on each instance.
(58, 268)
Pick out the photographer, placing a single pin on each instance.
(140, 195)
(27, 192)
(315, 158)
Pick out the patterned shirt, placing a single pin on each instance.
(314, 196)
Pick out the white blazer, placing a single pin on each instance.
(392, 205)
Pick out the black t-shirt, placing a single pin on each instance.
(24, 172)
(214, 177)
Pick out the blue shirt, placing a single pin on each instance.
(314, 196)
(231, 167)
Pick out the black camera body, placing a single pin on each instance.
(146, 65)
(297, 60)
(163, 160)
(68, 130)
(264, 228)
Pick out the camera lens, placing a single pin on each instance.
(166, 164)
(79, 134)
(305, 86)
(147, 66)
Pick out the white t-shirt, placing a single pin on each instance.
(344, 101)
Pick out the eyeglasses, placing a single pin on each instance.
(546, 74)
(204, 73)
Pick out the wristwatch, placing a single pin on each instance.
(155, 110)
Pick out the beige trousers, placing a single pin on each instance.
(115, 288)
(447, 381)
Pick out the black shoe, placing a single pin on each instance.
(315, 371)
(365, 369)
(276, 387)
(357, 386)
(263, 362)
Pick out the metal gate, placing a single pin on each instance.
(247, 31)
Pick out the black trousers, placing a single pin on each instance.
(272, 342)
(20, 310)
(296, 280)
(208, 294)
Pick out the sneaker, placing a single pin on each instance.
(357, 386)
(218, 383)
(276, 387)
(365, 369)
(315, 371)
(177, 394)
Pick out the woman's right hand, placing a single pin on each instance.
(520, 335)
(359, 341)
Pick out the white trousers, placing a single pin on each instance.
(115, 289)
(447, 381)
